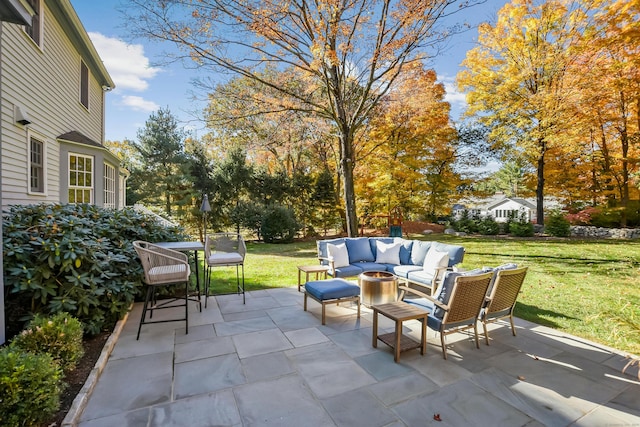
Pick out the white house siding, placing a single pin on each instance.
(46, 84)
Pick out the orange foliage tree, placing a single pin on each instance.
(408, 156)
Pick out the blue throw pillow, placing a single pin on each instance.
(359, 250)
(405, 250)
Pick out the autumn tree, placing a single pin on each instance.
(349, 52)
(516, 79)
(610, 110)
(409, 155)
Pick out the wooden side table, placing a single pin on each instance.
(308, 269)
(399, 312)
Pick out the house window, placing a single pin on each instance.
(84, 85)
(109, 186)
(80, 179)
(35, 29)
(36, 165)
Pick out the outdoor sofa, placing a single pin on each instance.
(412, 261)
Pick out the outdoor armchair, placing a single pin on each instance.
(224, 250)
(456, 305)
(502, 298)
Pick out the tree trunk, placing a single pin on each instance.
(542, 146)
(347, 165)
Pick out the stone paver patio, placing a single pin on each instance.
(270, 363)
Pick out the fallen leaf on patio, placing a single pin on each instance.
(437, 417)
(521, 378)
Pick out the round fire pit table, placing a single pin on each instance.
(377, 287)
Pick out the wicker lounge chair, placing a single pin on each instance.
(455, 307)
(224, 250)
(162, 267)
(502, 299)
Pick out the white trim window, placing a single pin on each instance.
(80, 178)
(36, 165)
(84, 85)
(35, 29)
(109, 186)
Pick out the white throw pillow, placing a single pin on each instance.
(339, 254)
(388, 253)
(435, 259)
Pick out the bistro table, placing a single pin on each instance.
(187, 247)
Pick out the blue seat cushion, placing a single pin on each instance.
(348, 271)
(331, 289)
(404, 270)
(432, 321)
(370, 266)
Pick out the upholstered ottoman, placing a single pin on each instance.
(331, 291)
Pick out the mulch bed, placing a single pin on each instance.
(76, 379)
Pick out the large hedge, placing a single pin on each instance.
(77, 259)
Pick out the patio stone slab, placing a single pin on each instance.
(135, 418)
(282, 402)
(243, 326)
(266, 366)
(196, 333)
(304, 337)
(131, 383)
(214, 409)
(261, 342)
(207, 375)
(398, 389)
(356, 342)
(291, 318)
(377, 364)
(203, 349)
(149, 343)
(328, 370)
(358, 408)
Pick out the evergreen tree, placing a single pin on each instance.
(162, 176)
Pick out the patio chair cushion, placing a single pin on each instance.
(221, 258)
(164, 273)
(331, 289)
(388, 253)
(339, 254)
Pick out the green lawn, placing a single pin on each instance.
(588, 288)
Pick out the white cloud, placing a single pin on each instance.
(126, 63)
(139, 104)
(453, 96)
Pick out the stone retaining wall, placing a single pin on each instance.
(603, 233)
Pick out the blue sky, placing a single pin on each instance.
(142, 86)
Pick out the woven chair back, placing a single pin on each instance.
(467, 298)
(505, 290)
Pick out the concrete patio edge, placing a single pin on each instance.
(80, 402)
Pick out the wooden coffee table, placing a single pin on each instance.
(309, 269)
(399, 312)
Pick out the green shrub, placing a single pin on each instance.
(522, 227)
(30, 387)
(557, 225)
(59, 336)
(466, 224)
(488, 226)
(77, 259)
(278, 225)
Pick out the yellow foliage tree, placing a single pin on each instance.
(516, 79)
